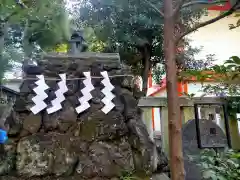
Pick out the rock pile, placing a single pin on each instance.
(65, 145)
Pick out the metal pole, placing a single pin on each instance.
(174, 122)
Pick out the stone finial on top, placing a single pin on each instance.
(77, 43)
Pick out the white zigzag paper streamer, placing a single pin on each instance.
(56, 103)
(40, 95)
(86, 93)
(108, 87)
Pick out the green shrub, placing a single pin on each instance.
(220, 166)
(128, 176)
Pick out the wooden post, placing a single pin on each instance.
(174, 123)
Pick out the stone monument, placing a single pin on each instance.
(211, 135)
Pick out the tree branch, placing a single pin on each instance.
(229, 12)
(13, 13)
(21, 4)
(8, 17)
(203, 2)
(179, 6)
(154, 7)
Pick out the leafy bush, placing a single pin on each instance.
(128, 176)
(220, 166)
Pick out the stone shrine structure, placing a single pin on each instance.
(211, 135)
(70, 146)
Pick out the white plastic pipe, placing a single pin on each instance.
(199, 113)
(238, 122)
(218, 119)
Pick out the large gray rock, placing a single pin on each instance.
(91, 145)
(32, 123)
(45, 154)
(100, 126)
(161, 176)
(7, 158)
(106, 160)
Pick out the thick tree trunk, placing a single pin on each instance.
(3, 32)
(147, 66)
(2, 36)
(174, 123)
(27, 46)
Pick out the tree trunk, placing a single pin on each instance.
(146, 69)
(3, 32)
(174, 123)
(27, 46)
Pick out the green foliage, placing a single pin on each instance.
(228, 78)
(233, 26)
(125, 26)
(158, 73)
(94, 44)
(50, 25)
(132, 28)
(230, 83)
(220, 166)
(233, 106)
(128, 176)
(31, 28)
(10, 56)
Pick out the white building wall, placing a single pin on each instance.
(197, 88)
(217, 39)
(157, 119)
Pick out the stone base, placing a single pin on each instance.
(89, 146)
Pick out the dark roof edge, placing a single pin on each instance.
(8, 89)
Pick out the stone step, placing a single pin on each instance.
(161, 176)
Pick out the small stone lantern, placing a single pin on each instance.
(77, 43)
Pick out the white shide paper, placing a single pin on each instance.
(56, 103)
(84, 104)
(108, 87)
(40, 95)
